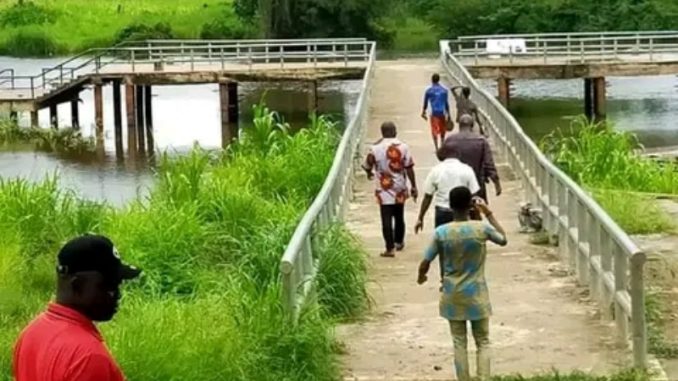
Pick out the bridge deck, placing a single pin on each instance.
(185, 73)
(564, 67)
(533, 299)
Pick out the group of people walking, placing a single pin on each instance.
(63, 343)
(462, 219)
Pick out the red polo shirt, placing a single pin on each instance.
(61, 344)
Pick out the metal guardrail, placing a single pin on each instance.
(298, 265)
(569, 35)
(650, 47)
(602, 255)
(193, 54)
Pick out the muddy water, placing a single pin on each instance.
(182, 116)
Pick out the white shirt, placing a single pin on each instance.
(446, 176)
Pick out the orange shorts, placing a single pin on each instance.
(438, 125)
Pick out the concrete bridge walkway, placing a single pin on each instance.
(541, 320)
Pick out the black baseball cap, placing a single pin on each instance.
(94, 253)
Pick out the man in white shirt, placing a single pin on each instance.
(445, 176)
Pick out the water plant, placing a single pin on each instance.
(65, 140)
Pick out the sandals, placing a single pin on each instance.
(387, 254)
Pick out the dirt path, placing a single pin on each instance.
(541, 319)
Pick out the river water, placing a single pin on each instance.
(647, 106)
(182, 115)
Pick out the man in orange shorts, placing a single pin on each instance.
(436, 95)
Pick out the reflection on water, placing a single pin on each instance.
(646, 106)
(182, 116)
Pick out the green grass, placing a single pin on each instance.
(628, 375)
(659, 344)
(597, 155)
(209, 238)
(635, 213)
(69, 26)
(623, 182)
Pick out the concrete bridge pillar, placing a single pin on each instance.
(148, 111)
(504, 89)
(98, 115)
(53, 116)
(228, 100)
(130, 108)
(599, 98)
(117, 118)
(75, 114)
(588, 98)
(34, 119)
(595, 98)
(141, 125)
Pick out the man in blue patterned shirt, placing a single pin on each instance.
(465, 297)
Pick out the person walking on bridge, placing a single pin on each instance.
(445, 176)
(436, 95)
(465, 106)
(390, 160)
(461, 245)
(474, 150)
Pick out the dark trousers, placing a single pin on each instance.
(393, 224)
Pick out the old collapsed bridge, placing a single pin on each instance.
(138, 66)
(545, 326)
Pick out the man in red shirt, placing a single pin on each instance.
(62, 343)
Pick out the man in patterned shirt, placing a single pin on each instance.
(390, 160)
(465, 297)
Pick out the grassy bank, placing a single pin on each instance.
(45, 27)
(606, 163)
(209, 237)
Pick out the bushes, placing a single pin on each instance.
(209, 238)
(141, 32)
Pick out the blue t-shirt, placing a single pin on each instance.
(436, 95)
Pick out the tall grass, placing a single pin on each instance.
(597, 155)
(607, 162)
(75, 25)
(209, 237)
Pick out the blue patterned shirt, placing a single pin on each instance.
(462, 247)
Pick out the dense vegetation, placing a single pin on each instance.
(209, 237)
(66, 141)
(606, 162)
(43, 27)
